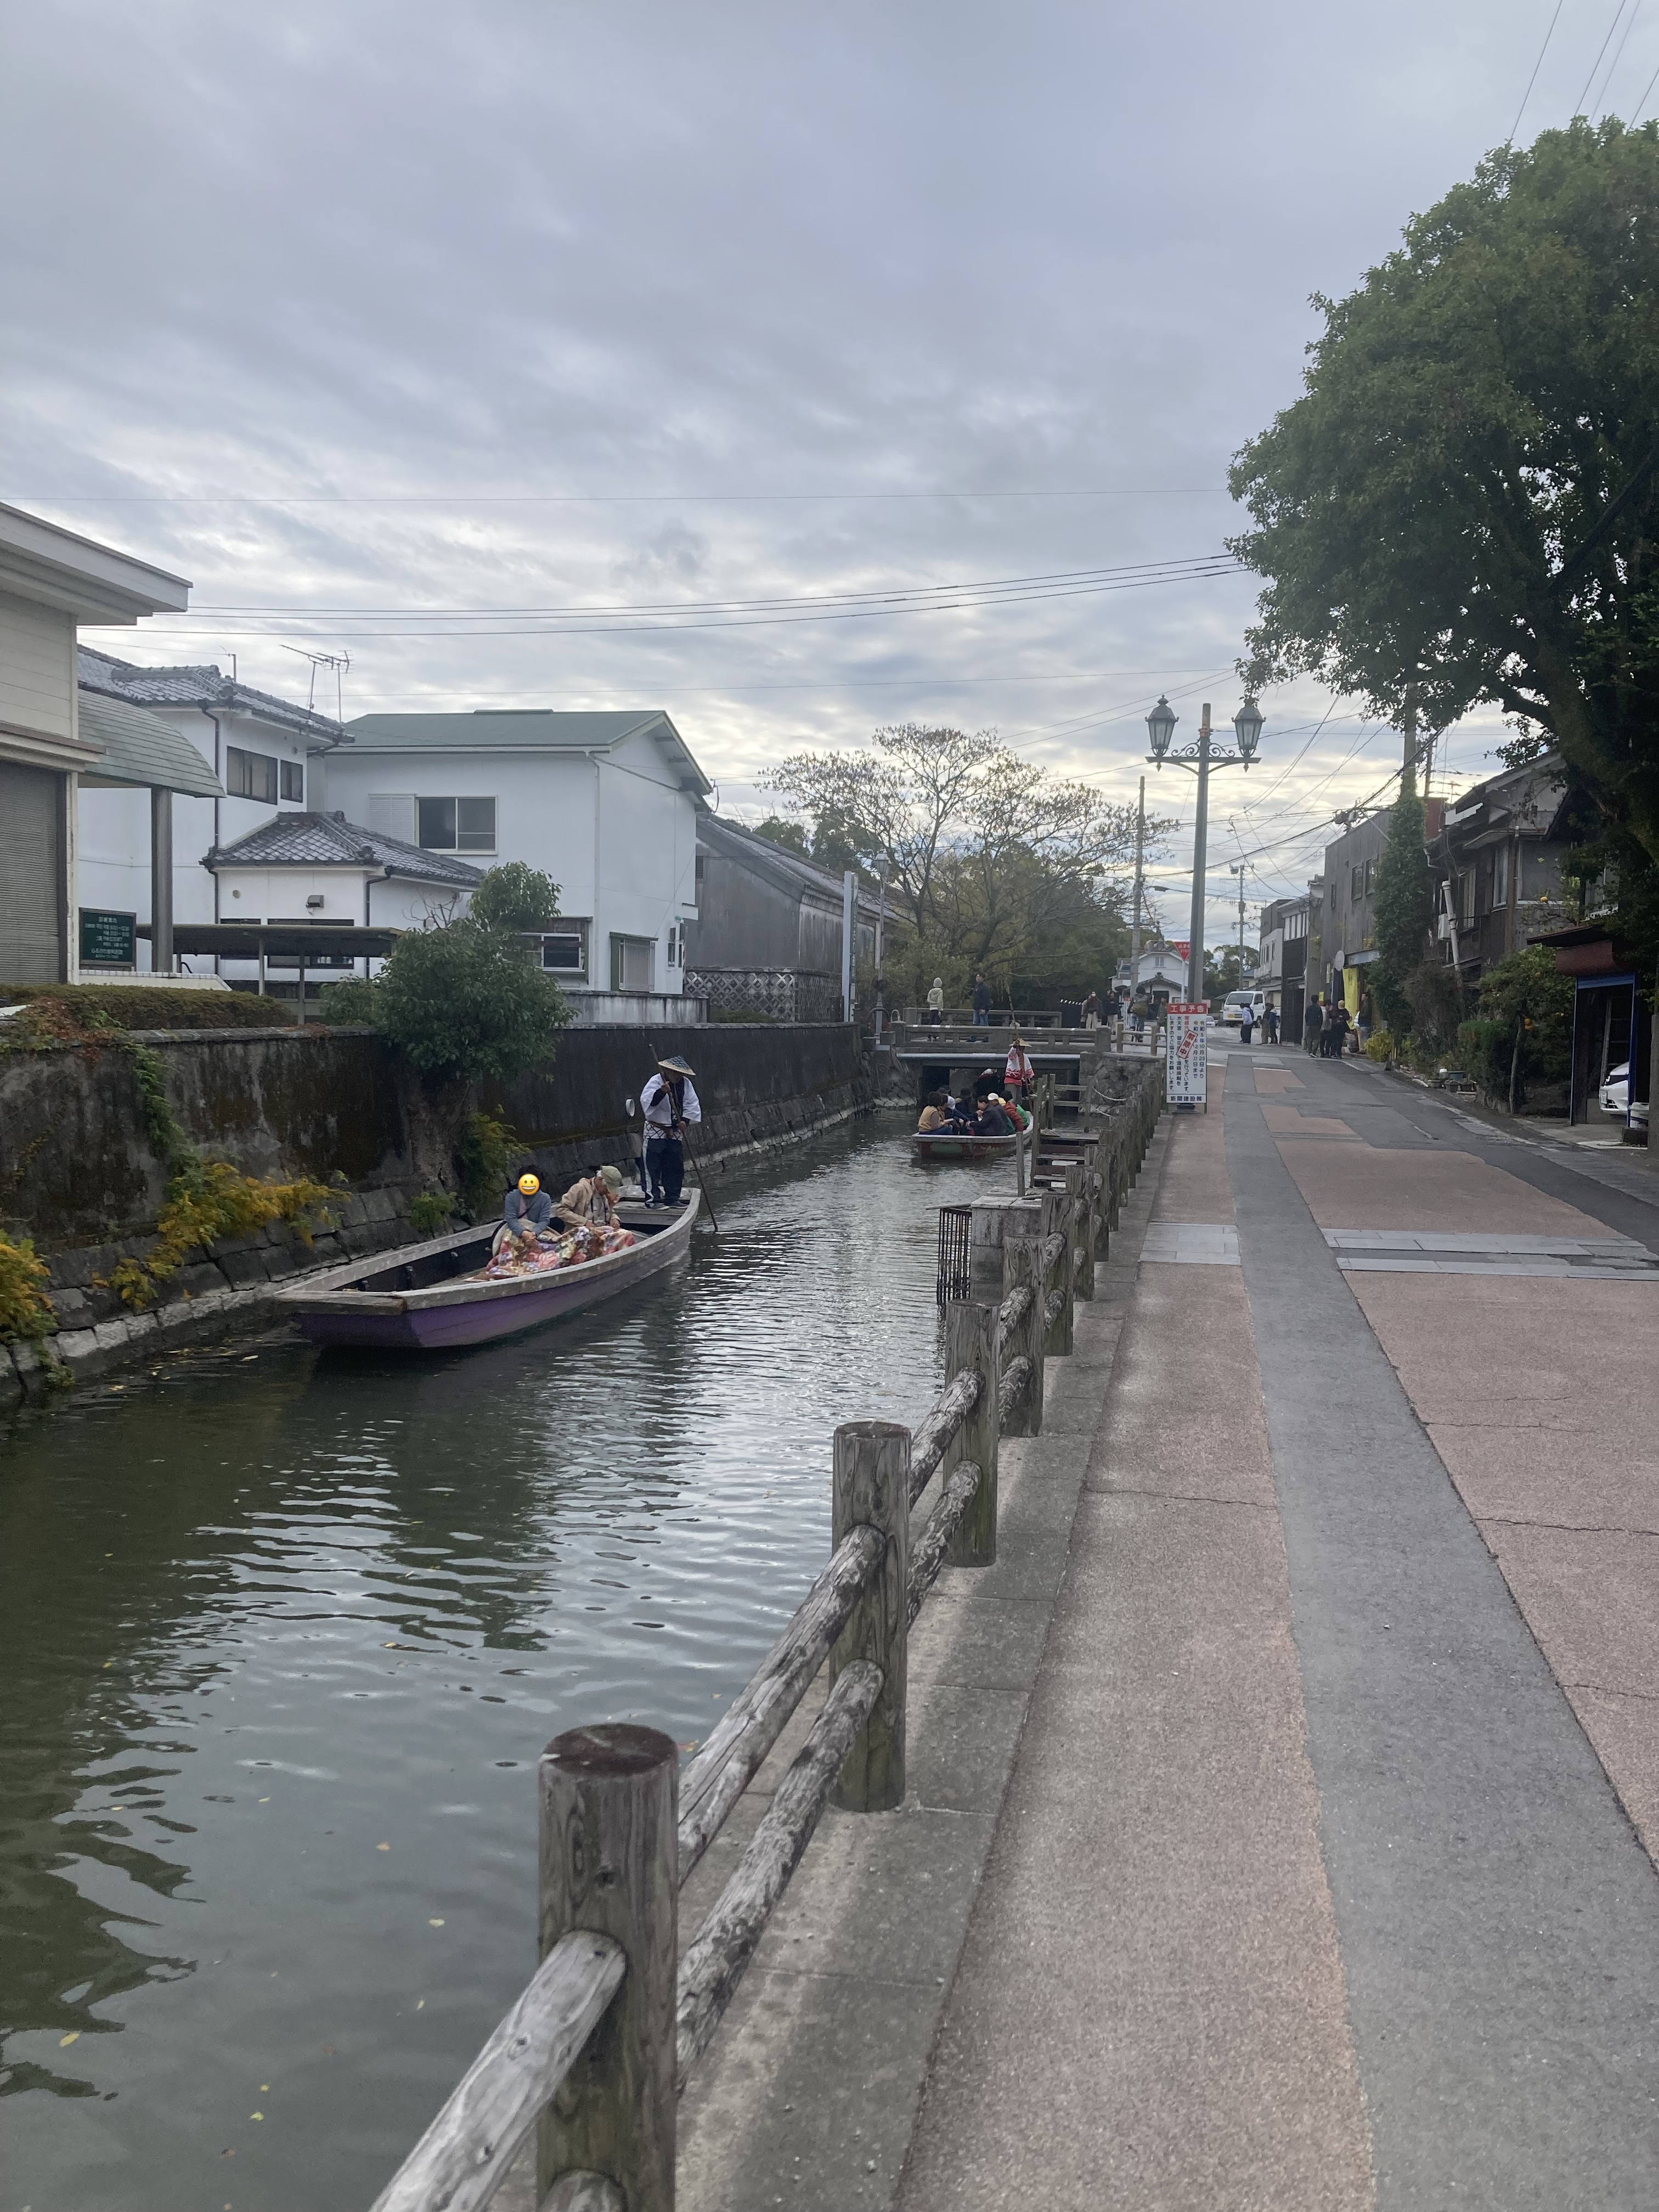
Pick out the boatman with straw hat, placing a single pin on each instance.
(669, 1104)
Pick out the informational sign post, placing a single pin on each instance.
(108, 940)
(1187, 1055)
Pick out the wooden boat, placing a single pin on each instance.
(941, 1145)
(427, 1297)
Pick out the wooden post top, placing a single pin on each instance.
(611, 1750)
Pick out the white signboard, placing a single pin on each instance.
(1187, 1054)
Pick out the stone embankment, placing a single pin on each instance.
(79, 1173)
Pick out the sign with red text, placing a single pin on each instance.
(1187, 1054)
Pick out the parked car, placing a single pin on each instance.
(1615, 1097)
(1232, 1008)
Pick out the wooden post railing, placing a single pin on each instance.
(595, 2050)
(609, 1867)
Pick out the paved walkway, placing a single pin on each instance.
(1319, 1879)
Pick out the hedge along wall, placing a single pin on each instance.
(77, 1168)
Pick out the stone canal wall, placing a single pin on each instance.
(79, 1174)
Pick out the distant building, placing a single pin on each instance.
(766, 936)
(605, 803)
(1158, 976)
(1281, 971)
(50, 581)
(1496, 859)
(312, 867)
(258, 757)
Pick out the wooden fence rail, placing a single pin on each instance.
(594, 2053)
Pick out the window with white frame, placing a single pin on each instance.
(633, 963)
(564, 950)
(457, 826)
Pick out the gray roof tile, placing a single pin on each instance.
(311, 840)
(198, 685)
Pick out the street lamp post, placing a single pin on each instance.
(1200, 759)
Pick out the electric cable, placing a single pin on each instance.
(1533, 79)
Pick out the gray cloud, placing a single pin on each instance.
(492, 255)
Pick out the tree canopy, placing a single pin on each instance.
(992, 862)
(465, 1000)
(1458, 511)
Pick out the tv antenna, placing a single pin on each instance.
(339, 662)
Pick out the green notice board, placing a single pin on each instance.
(108, 940)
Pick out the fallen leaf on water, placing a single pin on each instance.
(383, 1847)
(435, 1923)
(256, 2116)
(64, 2041)
(328, 2051)
(420, 2004)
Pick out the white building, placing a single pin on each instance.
(261, 755)
(605, 803)
(50, 581)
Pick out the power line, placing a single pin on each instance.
(1533, 79)
(273, 625)
(1578, 105)
(1618, 55)
(786, 600)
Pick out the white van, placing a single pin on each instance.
(1232, 1009)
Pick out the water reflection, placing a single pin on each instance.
(283, 1635)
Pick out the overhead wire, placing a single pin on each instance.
(1578, 105)
(1533, 79)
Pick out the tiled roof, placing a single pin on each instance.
(787, 869)
(329, 841)
(203, 685)
(142, 748)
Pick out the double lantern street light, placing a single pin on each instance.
(1198, 757)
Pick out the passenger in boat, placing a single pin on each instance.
(992, 1120)
(670, 1105)
(528, 1207)
(592, 1203)
(933, 1114)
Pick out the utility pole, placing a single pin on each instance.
(1240, 868)
(1200, 861)
(1134, 926)
(848, 918)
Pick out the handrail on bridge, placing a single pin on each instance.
(615, 2017)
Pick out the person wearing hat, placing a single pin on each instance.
(669, 1103)
(1017, 1073)
(993, 1119)
(592, 1202)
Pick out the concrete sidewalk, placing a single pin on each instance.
(1310, 1888)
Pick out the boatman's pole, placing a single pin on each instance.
(848, 887)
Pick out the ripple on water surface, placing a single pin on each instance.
(284, 1635)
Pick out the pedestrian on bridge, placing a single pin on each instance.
(981, 1003)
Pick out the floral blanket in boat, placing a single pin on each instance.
(536, 1254)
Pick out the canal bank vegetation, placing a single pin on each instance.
(465, 1001)
(82, 1013)
(994, 865)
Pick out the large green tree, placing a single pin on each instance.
(1461, 509)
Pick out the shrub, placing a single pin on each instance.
(25, 1309)
(1383, 1047)
(429, 1213)
(206, 1203)
(71, 1013)
(514, 898)
(1436, 1001)
(465, 1002)
(485, 1156)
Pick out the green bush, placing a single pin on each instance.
(1485, 1050)
(70, 1013)
(25, 1308)
(429, 1213)
(466, 1001)
(485, 1156)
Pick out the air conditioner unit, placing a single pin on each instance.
(1444, 926)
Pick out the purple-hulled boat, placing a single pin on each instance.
(427, 1297)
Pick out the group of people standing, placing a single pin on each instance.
(1326, 1029)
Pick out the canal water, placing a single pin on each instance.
(283, 1633)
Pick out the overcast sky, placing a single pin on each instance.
(529, 305)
